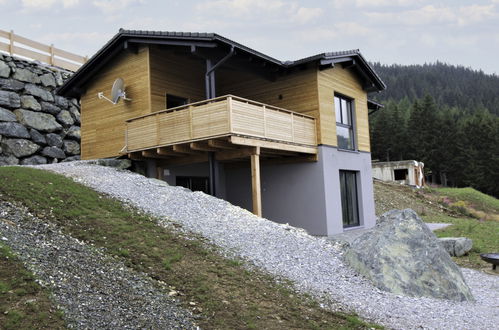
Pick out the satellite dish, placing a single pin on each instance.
(117, 92)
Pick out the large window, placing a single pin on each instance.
(349, 198)
(344, 122)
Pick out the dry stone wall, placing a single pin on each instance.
(36, 125)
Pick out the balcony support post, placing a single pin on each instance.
(255, 182)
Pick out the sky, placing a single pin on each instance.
(387, 31)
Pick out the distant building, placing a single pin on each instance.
(409, 172)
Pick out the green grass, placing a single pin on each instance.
(476, 199)
(484, 233)
(23, 303)
(221, 291)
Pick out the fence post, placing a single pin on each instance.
(51, 54)
(11, 45)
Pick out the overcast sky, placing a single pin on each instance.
(388, 31)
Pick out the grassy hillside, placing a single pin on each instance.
(221, 291)
(471, 213)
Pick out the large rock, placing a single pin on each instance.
(26, 76)
(11, 85)
(10, 99)
(4, 70)
(71, 147)
(34, 160)
(39, 92)
(74, 133)
(19, 147)
(64, 117)
(456, 246)
(75, 113)
(53, 152)
(43, 122)
(37, 137)
(403, 256)
(6, 115)
(30, 103)
(54, 140)
(13, 129)
(50, 108)
(61, 101)
(8, 160)
(48, 80)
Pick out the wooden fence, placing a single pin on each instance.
(37, 51)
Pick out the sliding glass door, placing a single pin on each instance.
(349, 198)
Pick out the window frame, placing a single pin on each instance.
(350, 111)
(353, 210)
(175, 98)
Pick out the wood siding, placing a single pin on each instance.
(103, 124)
(176, 75)
(345, 82)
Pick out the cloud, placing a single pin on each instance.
(374, 3)
(38, 4)
(258, 9)
(337, 31)
(476, 13)
(113, 6)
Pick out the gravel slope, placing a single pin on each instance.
(314, 264)
(93, 290)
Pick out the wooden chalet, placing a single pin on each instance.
(211, 114)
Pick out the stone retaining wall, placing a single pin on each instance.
(36, 125)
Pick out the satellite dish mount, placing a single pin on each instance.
(117, 92)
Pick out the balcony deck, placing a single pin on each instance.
(234, 120)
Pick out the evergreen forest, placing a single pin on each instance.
(444, 116)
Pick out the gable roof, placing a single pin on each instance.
(125, 38)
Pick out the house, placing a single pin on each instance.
(287, 140)
(409, 172)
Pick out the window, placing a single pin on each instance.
(173, 101)
(349, 198)
(401, 174)
(344, 122)
(193, 183)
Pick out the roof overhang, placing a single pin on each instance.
(128, 39)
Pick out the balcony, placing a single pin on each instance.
(231, 119)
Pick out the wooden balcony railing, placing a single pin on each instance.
(221, 116)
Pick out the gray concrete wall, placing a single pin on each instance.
(305, 195)
(334, 161)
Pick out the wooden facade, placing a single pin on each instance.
(150, 73)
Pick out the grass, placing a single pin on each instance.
(23, 303)
(221, 291)
(470, 202)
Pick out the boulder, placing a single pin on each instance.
(39, 92)
(401, 255)
(74, 133)
(13, 129)
(8, 160)
(75, 113)
(456, 246)
(4, 70)
(48, 80)
(11, 84)
(121, 164)
(6, 115)
(37, 137)
(71, 147)
(29, 102)
(10, 99)
(43, 122)
(50, 108)
(26, 76)
(54, 140)
(61, 101)
(53, 152)
(64, 117)
(34, 160)
(70, 159)
(19, 147)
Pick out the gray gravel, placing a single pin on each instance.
(94, 290)
(313, 264)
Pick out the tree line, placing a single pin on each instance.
(458, 143)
